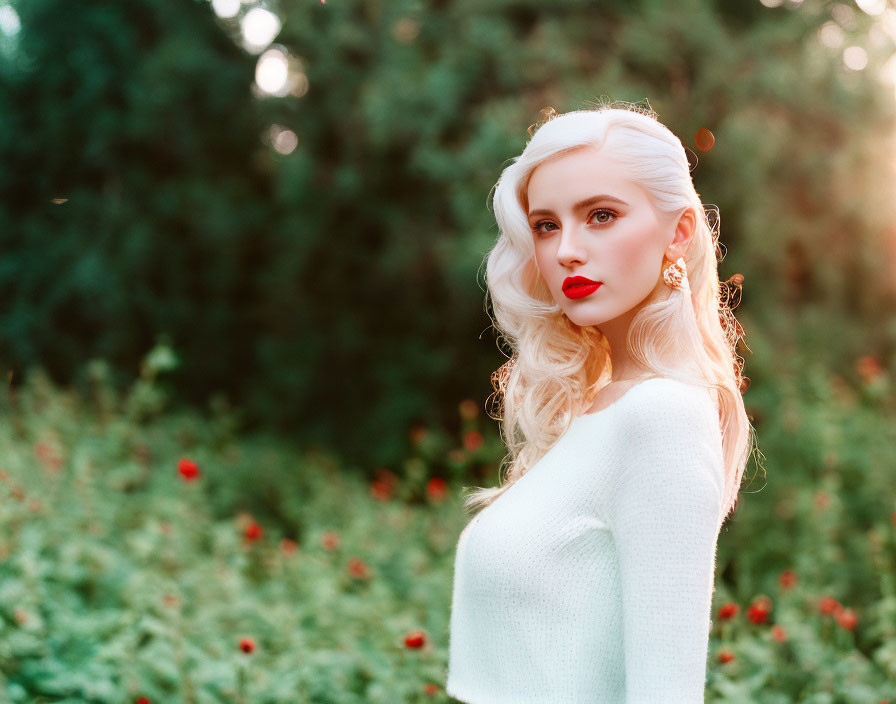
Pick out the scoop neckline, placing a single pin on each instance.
(618, 400)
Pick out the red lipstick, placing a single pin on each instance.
(579, 286)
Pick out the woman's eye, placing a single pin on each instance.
(603, 211)
(538, 228)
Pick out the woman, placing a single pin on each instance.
(592, 579)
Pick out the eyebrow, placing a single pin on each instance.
(581, 204)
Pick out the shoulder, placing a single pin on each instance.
(669, 438)
(663, 401)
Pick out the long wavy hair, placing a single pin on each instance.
(558, 367)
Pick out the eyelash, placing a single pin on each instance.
(537, 231)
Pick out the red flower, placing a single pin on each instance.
(779, 634)
(330, 540)
(357, 568)
(188, 469)
(48, 456)
(383, 487)
(822, 500)
(288, 546)
(253, 531)
(846, 618)
(415, 639)
(869, 367)
(757, 613)
(787, 579)
(436, 488)
(431, 689)
(380, 490)
(725, 655)
(472, 440)
(143, 700)
(829, 605)
(247, 645)
(728, 611)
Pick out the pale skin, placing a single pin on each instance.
(618, 239)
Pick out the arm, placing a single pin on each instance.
(664, 512)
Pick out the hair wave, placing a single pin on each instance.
(557, 367)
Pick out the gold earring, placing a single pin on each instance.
(676, 275)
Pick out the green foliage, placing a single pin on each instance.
(119, 578)
(136, 113)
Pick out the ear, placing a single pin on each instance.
(684, 233)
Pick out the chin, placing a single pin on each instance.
(583, 318)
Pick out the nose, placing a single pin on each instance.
(571, 249)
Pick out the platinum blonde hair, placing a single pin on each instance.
(557, 366)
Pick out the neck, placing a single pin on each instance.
(628, 372)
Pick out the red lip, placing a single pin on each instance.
(579, 286)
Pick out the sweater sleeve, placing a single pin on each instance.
(664, 512)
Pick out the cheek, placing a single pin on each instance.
(634, 256)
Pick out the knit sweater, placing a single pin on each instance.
(590, 580)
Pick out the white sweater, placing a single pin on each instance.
(590, 580)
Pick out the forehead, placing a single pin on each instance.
(573, 176)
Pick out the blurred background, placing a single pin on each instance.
(248, 354)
